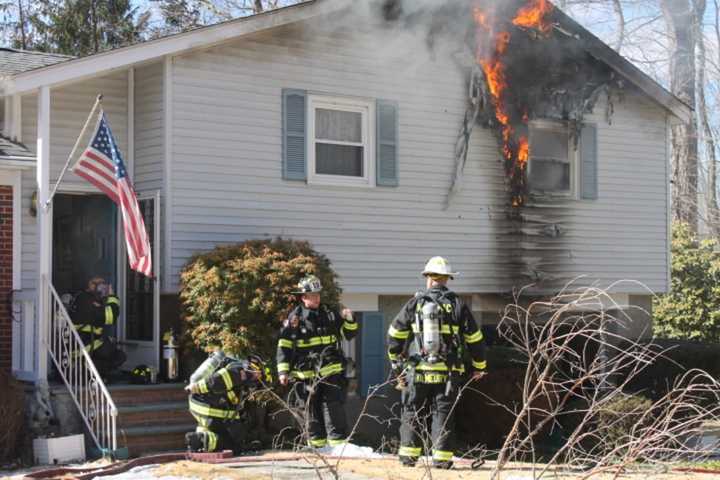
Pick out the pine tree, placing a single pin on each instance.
(73, 27)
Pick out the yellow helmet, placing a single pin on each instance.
(438, 266)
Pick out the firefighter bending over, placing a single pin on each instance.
(309, 352)
(94, 312)
(426, 344)
(218, 390)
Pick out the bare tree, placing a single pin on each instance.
(578, 363)
(680, 18)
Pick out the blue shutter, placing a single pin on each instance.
(372, 359)
(294, 134)
(387, 143)
(588, 162)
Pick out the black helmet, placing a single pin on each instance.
(257, 364)
(140, 375)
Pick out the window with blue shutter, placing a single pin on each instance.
(294, 134)
(372, 346)
(387, 143)
(588, 163)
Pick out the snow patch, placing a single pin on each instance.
(349, 450)
(144, 472)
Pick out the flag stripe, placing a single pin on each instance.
(101, 175)
(99, 184)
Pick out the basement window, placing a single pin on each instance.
(340, 136)
(553, 162)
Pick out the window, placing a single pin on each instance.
(553, 161)
(340, 137)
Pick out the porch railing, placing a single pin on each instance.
(82, 379)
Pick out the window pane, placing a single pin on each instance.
(549, 175)
(338, 125)
(338, 160)
(549, 144)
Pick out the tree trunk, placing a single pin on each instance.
(21, 25)
(94, 21)
(708, 136)
(258, 6)
(621, 24)
(679, 17)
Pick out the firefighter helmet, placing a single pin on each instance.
(141, 375)
(438, 266)
(309, 284)
(257, 364)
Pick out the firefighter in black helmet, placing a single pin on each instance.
(426, 341)
(309, 353)
(95, 312)
(217, 400)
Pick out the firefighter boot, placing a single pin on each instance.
(196, 441)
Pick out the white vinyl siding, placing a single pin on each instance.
(149, 128)
(69, 107)
(228, 187)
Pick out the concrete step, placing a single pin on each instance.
(141, 440)
(168, 413)
(125, 395)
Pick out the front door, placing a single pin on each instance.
(84, 241)
(141, 321)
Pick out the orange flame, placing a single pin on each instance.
(534, 15)
(516, 150)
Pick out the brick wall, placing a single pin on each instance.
(6, 275)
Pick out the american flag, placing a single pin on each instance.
(102, 165)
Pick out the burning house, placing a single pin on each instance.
(499, 134)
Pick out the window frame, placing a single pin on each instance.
(573, 158)
(366, 108)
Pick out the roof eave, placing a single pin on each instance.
(85, 67)
(22, 163)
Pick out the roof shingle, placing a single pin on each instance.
(10, 150)
(14, 61)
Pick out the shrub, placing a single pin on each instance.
(617, 420)
(691, 311)
(234, 297)
(12, 408)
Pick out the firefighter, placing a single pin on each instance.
(217, 398)
(427, 341)
(95, 311)
(310, 354)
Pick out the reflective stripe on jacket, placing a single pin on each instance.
(311, 348)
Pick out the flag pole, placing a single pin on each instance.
(98, 101)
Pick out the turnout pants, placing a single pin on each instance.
(222, 434)
(108, 357)
(324, 403)
(420, 402)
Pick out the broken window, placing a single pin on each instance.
(339, 137)
(552, 164)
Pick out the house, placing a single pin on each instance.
(323, 121)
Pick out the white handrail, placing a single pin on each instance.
(82, 379)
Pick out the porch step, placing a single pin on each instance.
(124, 395)
(152, 418)
(167, 413)
(141, 440)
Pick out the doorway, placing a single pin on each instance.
(84, 241)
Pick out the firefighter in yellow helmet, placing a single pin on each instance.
(426, 345)
(310, 354)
